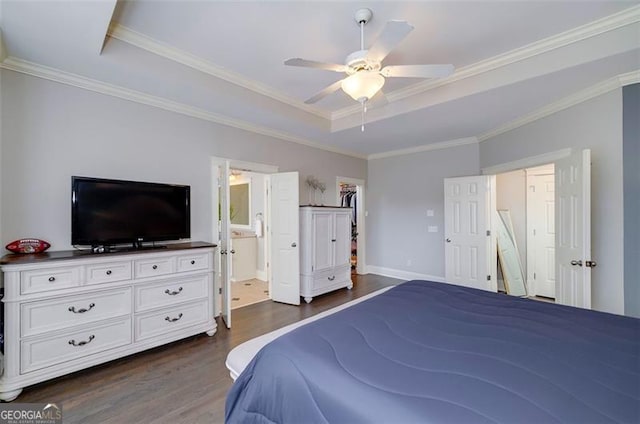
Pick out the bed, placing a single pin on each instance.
(434, 352)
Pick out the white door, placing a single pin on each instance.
(541, 223)
(285, 235)
(225, 243)
(573, 229)
(470, 248)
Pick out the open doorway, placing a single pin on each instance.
(350, 193)
(528, 195)
(248, 199)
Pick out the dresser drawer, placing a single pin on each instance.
(331, 277)
(169, 319)
(152, 267)
(108, 272)
(46, 351)
(193, 262)
(48, 315)
(170, 292)
(50, 279)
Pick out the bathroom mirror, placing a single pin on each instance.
(240, 204)
(508, 256)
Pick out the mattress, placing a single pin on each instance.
(241, 355)
(433, 352)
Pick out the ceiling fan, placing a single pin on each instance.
(365, 74)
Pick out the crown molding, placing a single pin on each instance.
(618, 20)
(56, 75)
(159, 48)
(565, 103)
(425, 148)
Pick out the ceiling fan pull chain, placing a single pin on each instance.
(364, 109)
(361, 35)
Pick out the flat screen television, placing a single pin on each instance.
(109, 212)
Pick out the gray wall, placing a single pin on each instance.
(400, 190)
(52, 131)
(595, 124)
(631, 158)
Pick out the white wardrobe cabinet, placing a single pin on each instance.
(325, 250)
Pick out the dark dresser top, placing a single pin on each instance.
(14, 258)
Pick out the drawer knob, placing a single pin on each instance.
(82, 343)
(193, 262)
(52, 279)
(81, 310)
(108, 272)
(155, 267)
(331, 278)
(173, 293)
(173, 319)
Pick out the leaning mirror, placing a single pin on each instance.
(508, 256)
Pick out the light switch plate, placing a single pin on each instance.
(432, 228)
(429, 212)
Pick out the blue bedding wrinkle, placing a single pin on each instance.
(426, 352)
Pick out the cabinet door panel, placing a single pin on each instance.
(342, 244)
(322, 236)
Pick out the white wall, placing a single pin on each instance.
(400, 190)
(52, 131)
(595, 124)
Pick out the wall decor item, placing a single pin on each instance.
(315, 184)
(28, 246)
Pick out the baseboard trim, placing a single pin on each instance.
(402, 275)
(261, 275)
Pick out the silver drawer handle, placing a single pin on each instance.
(155, 267)
(173, 293)
(108, 272)
(331, 278)
(193, 262)
(52, 279)
(173, 319)
(81, 310)
(82, 343)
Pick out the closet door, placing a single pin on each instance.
(342, 238)
(322, 229)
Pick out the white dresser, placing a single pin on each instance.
(325, 250)
(65, 311)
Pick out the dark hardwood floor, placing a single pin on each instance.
(185, 381)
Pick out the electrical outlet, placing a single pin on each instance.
(432, 228)
(430, 212)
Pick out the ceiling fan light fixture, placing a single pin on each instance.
(363, 85)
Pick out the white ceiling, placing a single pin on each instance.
(225, 59)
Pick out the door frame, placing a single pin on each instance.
(245, 166)
(361, 264)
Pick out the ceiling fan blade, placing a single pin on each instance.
(417, 71)
(392, 34)
(324, 93)
(317, 65)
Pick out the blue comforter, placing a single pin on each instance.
(427, 352)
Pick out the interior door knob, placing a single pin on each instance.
(448, 240)
(233, 251)
(293, 244)
(579, 263)
(590, 264)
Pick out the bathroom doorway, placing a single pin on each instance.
(248, 200)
